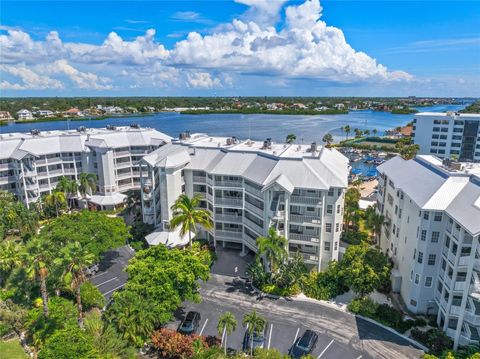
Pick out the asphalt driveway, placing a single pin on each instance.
(111, 276)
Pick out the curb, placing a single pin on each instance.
(331, 305)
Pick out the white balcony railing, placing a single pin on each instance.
(303, 237)
(232, 218)
(225, 183)
(199, 179)
(254, 191)
(233, 202)
(252, 225)
(301, 218)
(228, 234)
(306, 200)
(254, 209)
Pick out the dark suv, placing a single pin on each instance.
(304, 345)
(189, 325)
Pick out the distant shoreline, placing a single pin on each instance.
(91, 118)
(265, 112)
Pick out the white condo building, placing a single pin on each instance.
(250, 186)
(446, 134)
(32, 163)
(432, 235)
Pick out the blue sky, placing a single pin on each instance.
(249, 47)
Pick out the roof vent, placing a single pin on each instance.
(34, 132)
(134, 125)
(229, 141)
(81, 129)
(313, 147)
(111, 127)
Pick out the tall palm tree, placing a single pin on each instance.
(291, 138)
(273, 247)
(374, 132)
(55, 199)
(255, 324)
(347, 130)
(76, 259)
(134, 203)
(68, 187)
(87, 183)
(227, 323)
(187, 215)
(342, 130)
(374, 222)
(37, 259)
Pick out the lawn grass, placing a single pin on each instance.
(12, 349)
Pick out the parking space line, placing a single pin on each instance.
(324, 350)
(98, 275)
(204, 324)
(270, 335)
(98, 285)
(360, 357)
(114, 289)
(296, 335)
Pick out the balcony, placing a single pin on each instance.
(455, 310)
(313, 201)
(121, 153)
(123, 164)
(254, 209)
(463, 261)
(256, 192)
(225, 183)
(124, 175)
(308, 258)
(228, 235)
(472, 318)
(302, 218)
(460, 286)
(55, 172)
(199, 179)
(69, 170)
(297, 237)
(451, 258)
(253, 226)
(231, 218)
(228, 202)
(448, 281)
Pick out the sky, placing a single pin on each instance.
(240, 48)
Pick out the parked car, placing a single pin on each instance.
(190, 323)
(303, 345)
(258, 339)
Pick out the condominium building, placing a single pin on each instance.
(249, 187)
(32, 163)
(448, 134)
(432, 235)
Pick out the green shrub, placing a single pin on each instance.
(434, 339)
(420, 322)
(363, 306)
(91, 296)
(355, 237)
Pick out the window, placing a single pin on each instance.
(339, 192)
(420, 257)
(329, 209)
(328, 227)
(338, 208)
(435, 237)
(425, 215)
(335, 245)
(417, 278)
(437, 217)
(413, 302)
(337, 227)
(424, 234)
(327, 246)
(330, 192)
(431, 259)
(428, 282)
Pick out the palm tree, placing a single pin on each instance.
(347, 130)
(76, 259)
(366, 132)
(227, 323)
(374, 222)
(328, 139)
(255, 324)
(273, 247)
(187, 215)
(358, 133)
(55, 199)
(342, 130)
(375, 131)
(87, 183)
(409, 151)
(291, 138)
(37, 259)
(68, 187)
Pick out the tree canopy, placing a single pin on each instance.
(95, 231)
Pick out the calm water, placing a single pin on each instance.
(256, 127)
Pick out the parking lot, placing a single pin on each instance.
(281, 334)
(110, 276)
